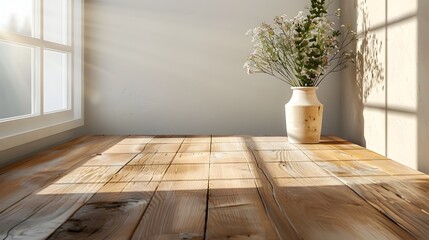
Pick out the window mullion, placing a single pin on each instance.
(41, 58)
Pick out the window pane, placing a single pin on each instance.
(55, 81)
(17, 16)
(16, 80)
(56, 21)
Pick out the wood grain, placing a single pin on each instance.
(133, 140)
(110, 159)
(211, 187)
(113, 213)
(231, 157)
(126, 148)
(192, 158)
(144, 173)
(20, 180)
(283, 156)
(179, 172)
(198, 139)
(152, 158)
(235, 211)
(161, 148)
(230, 171)
(228, 147)
(360, 154)
(324, 208)
(40, 214)
(391, 204)
(177, 211)
(265, 146)
(195, 147)
(167, 140)
(228, 139)
(294, 170)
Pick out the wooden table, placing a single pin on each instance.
(211, 187)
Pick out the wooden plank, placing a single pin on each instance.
(331, 138)
(366, 168)
(228, 139)
(346, 146)
(194, 147)
(399, 202)
(235, 211)
(361, 154)
(324, 208)
(283, 156)
(152, 158)
(89, 174)
(161, 148)
(318, 146)
(192, 158)
(265, 186)
(268, 139)
(412, 188)
(327, 144)
(392, 167)
(396, 207)
(113, 213)
(136, 140)
(229, 147)
(177, 211)
(144, 173)
(179, 172)
(198, 139)
(266, 146)
(110, 159)
(231, 157)
(126, 148)
(39, 214)
(230, 171)
(20, 180)
(167, 139)
(294, 170)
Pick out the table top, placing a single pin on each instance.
(212, 187)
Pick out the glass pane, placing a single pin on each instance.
(55, 84)
(17, 16)
(16, 80)
(56, 20)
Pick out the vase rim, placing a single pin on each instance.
(304, 88)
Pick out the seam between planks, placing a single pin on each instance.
(272, 193)
(157, 186)
(208, 193)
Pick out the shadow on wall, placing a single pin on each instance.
(368, 72)
(385, 96)
(369, 68)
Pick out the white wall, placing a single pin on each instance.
(175, 67)
(385, 99)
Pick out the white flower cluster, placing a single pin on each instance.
(298, 50)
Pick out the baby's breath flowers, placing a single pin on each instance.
(303, 50)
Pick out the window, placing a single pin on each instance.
(40, 69)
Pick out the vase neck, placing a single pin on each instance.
(304, 95)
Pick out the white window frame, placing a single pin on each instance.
(24, 129)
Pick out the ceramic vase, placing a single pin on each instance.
(304, 114)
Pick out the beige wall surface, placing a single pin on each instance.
(385, 100)
(176, 67)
